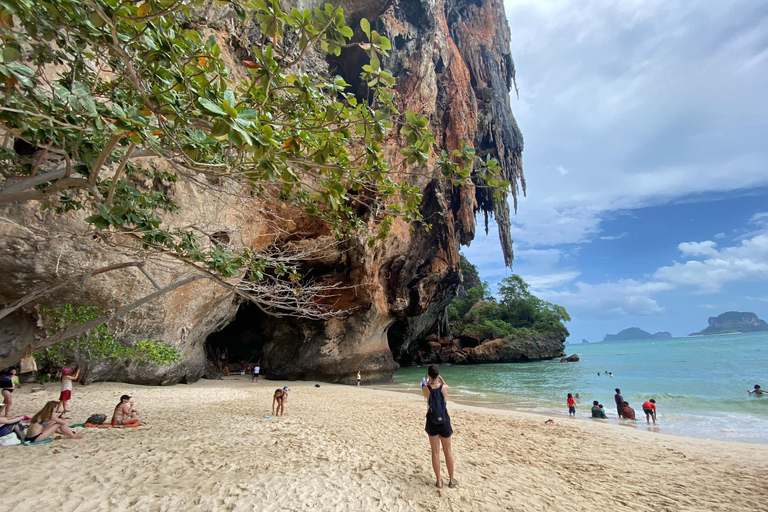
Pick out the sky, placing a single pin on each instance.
(646, 160)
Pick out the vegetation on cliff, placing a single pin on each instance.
(94, 90)
(481, 316)
(733, 322)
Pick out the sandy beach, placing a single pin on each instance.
(207, 446)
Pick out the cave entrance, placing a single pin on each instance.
(243, 338)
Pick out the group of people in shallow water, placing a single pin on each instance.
(50, 420)
(622, 408)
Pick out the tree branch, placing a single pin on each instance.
(92, 324)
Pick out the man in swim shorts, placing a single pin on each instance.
(649, 408)
(619, 401)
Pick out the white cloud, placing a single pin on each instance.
(611, 299)
(719, 236)
(747, 261)
(698, 248)
(614, 237)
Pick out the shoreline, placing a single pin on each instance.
(208, 447)
(637, 426)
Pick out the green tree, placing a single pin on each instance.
(89, 90)
(95, 344)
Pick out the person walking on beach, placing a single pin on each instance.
(571, 405)
(438, 425)
(358, 378)
(66, 388)
(255, 372)
(619, 401)
(758, 391)
(649, 408)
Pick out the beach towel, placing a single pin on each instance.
(27, 443)
(109, 425)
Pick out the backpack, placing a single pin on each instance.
(438, 413)
(96, 419)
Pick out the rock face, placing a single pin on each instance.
(733, 322)
(511, 349)
(452, 62)
(635, 333)
(573, 358)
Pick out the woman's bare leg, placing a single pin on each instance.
(434, 445)
(8, 398)
(47, 432)
(63, 429)
(446, 442)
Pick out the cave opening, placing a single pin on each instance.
(242, 339)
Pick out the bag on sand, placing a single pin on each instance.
(437, 410)
(96, 419)
(10, 440)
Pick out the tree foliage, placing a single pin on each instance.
(99, 84)
(480, 315)
(98, 343)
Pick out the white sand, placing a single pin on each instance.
(207, 446)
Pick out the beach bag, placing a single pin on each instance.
(10, 440)
(96, 419)
(438, 413)
(28, 364)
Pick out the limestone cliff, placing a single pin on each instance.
(452, 62)
(733, 322)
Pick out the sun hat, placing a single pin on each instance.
(286, 388)
(66, 371)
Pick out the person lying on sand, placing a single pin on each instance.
(44, 424)
(124, 413)
(8, 425)
(757, 391)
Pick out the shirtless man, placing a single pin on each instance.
(124, 413)
(757, 391)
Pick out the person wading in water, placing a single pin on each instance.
(439, 424)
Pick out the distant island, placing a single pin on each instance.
(584, 340)
(635, 333)
(733, 322)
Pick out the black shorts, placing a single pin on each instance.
(571, 409)
(443, 430)
(648, 412)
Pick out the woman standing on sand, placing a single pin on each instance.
(439, 424)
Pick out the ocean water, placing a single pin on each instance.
(699, 383)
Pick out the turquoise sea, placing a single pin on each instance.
(700, 384)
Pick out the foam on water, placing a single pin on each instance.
(700, 384)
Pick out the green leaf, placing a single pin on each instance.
(366, 26)
(220, 129)
(211, 106)
(10, 54)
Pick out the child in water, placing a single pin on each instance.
(627, 412)
(571, 405)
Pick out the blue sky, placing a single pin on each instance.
(646, 157)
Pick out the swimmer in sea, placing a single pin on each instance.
(757, 391)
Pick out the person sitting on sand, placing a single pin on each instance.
(627, 412)
(649, 408)
(278, 399)
(438, 425)
(124, 413)
(9, 425)
(757, 391)
(44, 424)
(597, 412)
